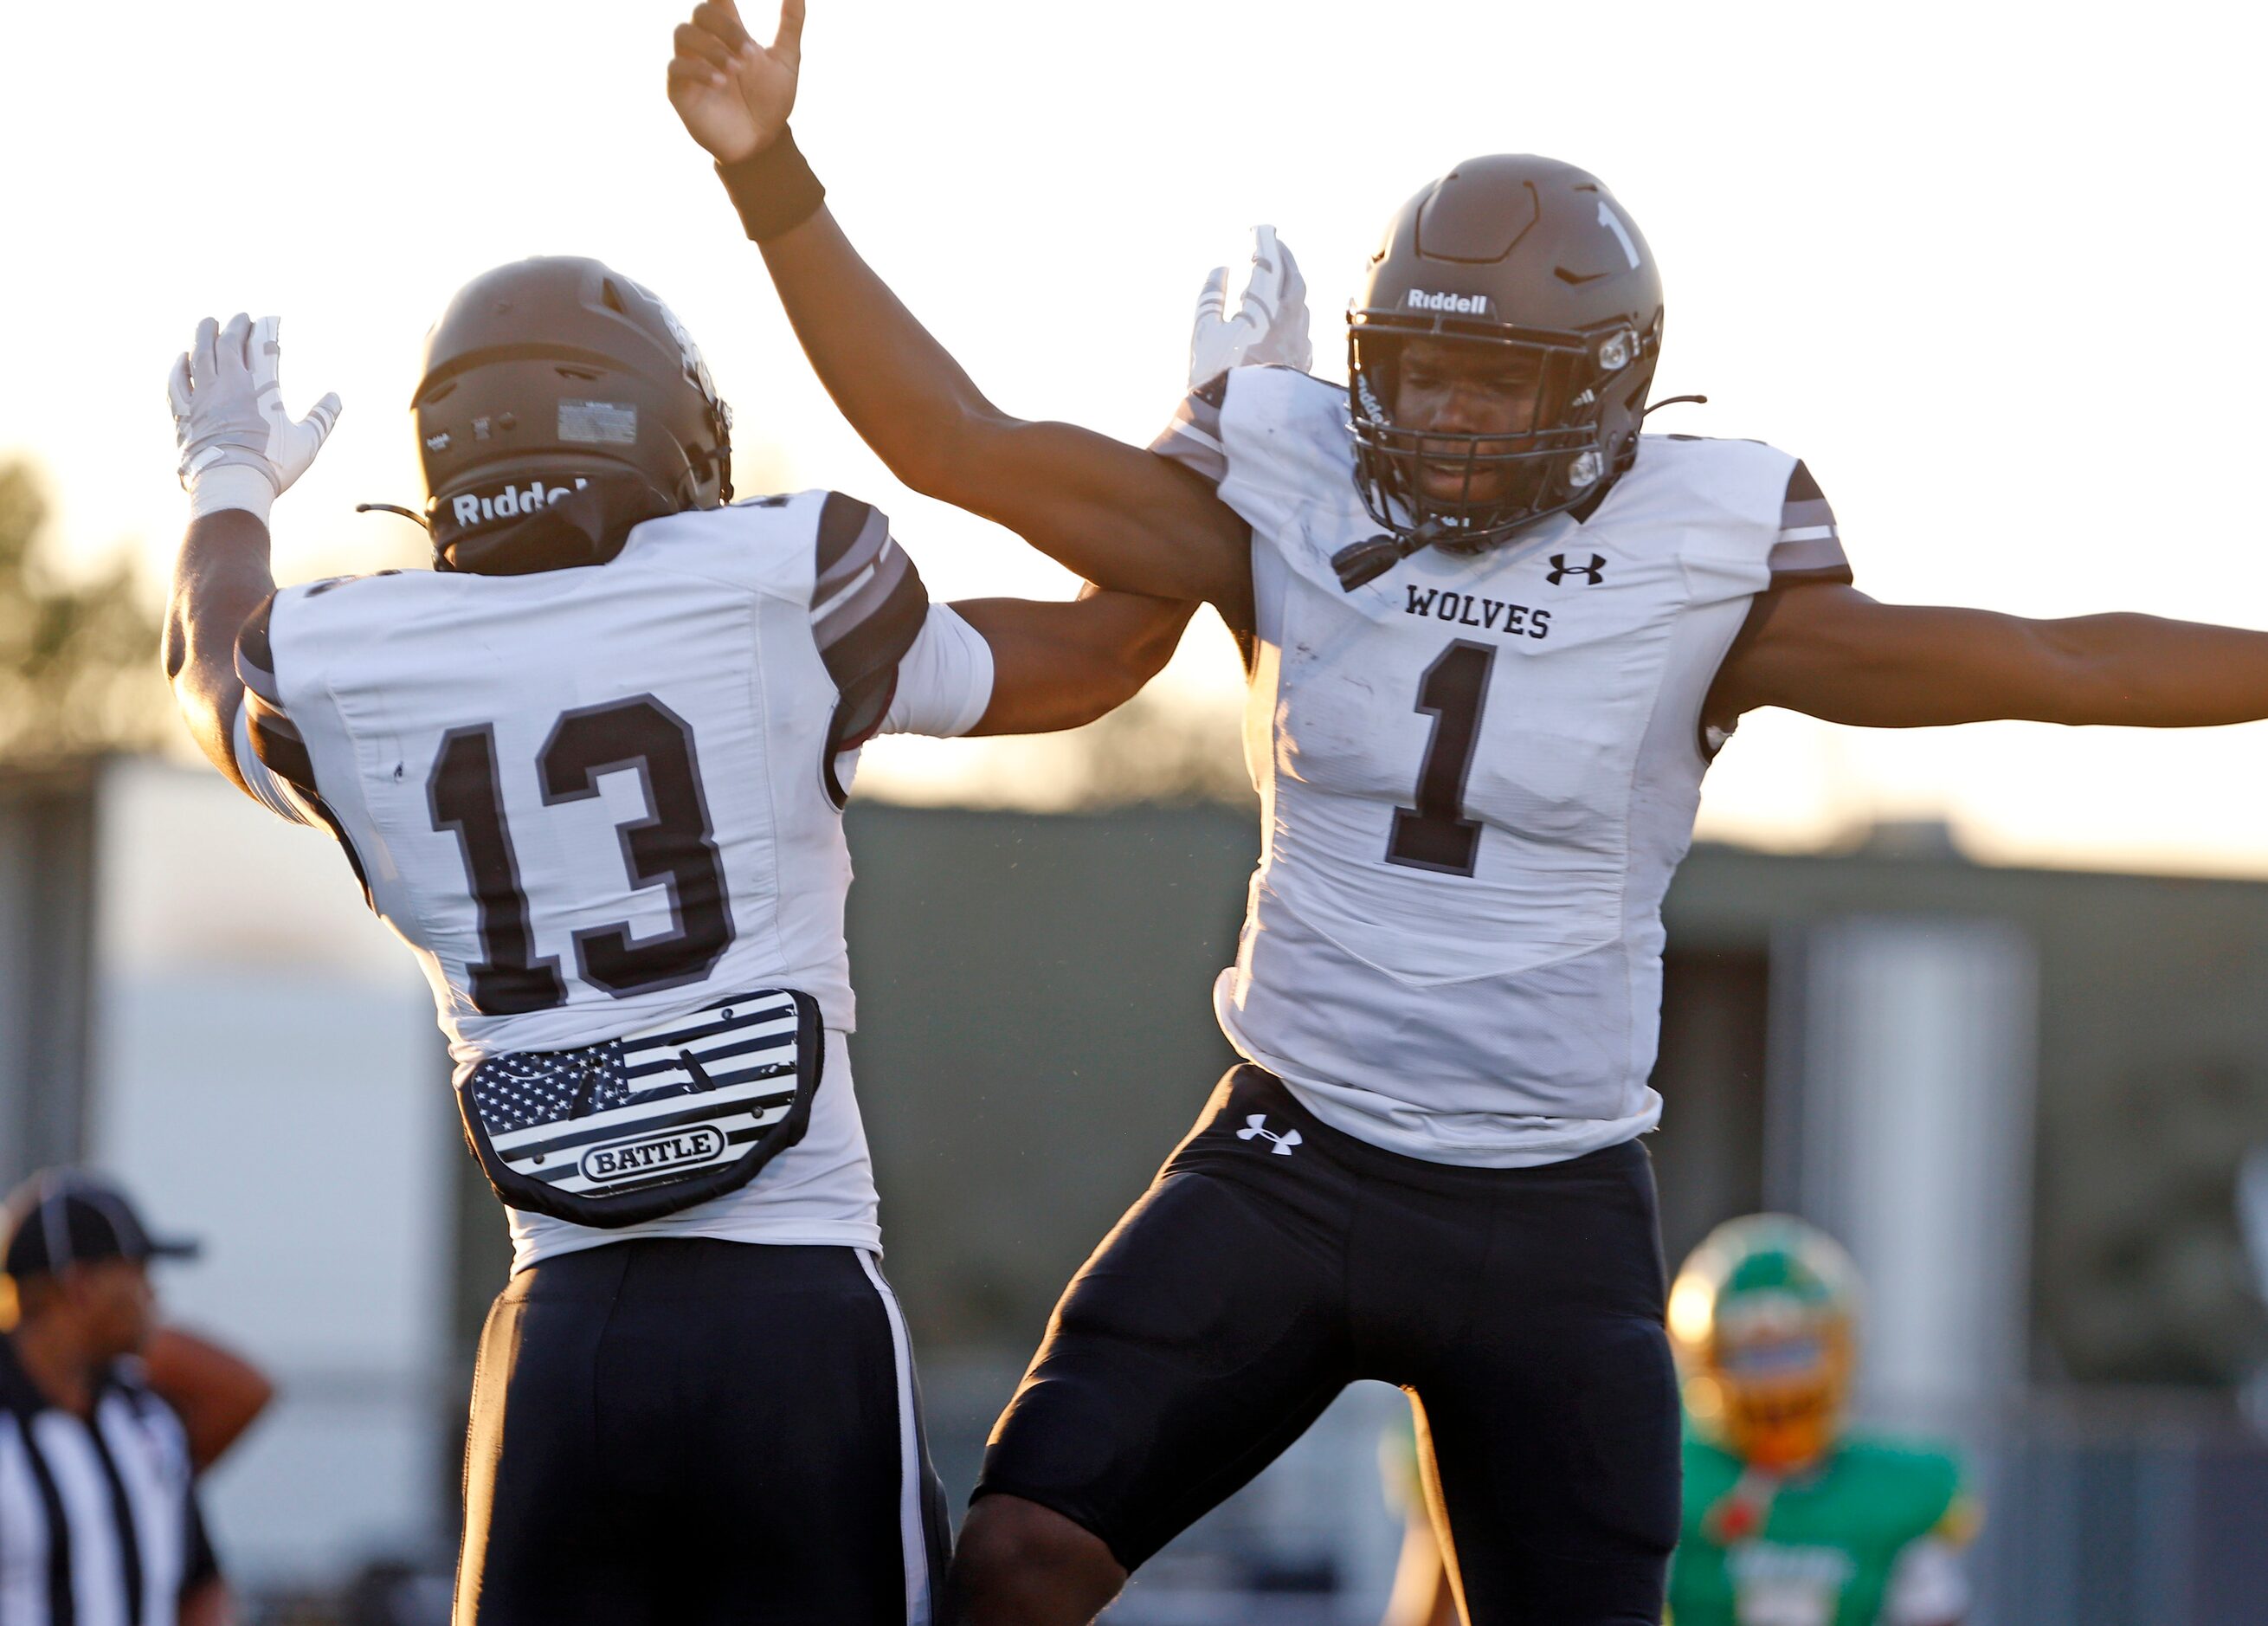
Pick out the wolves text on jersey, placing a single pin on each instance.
(1471, 610)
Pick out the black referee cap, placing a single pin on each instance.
(71, 1217)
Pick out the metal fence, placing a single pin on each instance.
(2102, 1507)
(2112, 1507)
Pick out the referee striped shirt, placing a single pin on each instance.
(98, 1521)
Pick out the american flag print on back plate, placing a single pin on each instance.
(653, 1107)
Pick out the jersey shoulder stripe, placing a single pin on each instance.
(867, 606)
(275, 738)
(255, 653)
(851, 535)
(1809, 547)
(1192, 438)
(276, 743)
(867, 600)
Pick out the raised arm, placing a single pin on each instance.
(1831, 651)
(1057, 666)
(219, 579)
(1115, 515)
(240, 450)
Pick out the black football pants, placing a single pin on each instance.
(677, 1431)
(1275, 1261)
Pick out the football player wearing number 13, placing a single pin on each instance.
(1493, 635)
(591, 769)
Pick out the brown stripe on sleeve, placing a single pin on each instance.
(277, 743)
(1192, 438)
(868, 604)
(850, 534)
(255, 653)
(1809, 548)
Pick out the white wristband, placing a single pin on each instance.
(232, 486)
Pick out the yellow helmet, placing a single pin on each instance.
(1763, 1319)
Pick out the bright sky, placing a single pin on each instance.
(1985, 268)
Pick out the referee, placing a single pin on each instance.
(99, 1523)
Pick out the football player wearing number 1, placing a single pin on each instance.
(591, 769)
(1493, 635)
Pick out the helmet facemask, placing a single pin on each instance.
(1565, 456)
(1534, 258)
(1781, 1387)
(1763, 1321)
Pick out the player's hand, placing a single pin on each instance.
(733, 94)
(1270, 325)
(229, 417)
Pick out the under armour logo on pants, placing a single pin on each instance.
(1256, 1128)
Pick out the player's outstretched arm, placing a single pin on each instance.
(1831, 651)
(240, 450)
(1115, 515)
(1059, 666)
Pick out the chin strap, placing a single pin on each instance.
(586, 528)
(1363, 562)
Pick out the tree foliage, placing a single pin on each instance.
(78, 658)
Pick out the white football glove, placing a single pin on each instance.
(240, 448)
(1271, 324)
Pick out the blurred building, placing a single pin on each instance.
(2021, 1097)
(194, 998)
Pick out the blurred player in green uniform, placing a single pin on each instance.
(1789, 1520)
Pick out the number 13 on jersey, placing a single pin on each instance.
(673, 848)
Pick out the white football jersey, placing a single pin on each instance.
(594, 800)
(1477, 774)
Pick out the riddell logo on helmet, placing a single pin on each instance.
(471, 508)
(1449, 304)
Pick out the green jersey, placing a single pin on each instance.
(1820, 1549)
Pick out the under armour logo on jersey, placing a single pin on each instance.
(1256, 1128)
(1593, 573)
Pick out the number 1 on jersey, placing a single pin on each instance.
(1435, 834)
